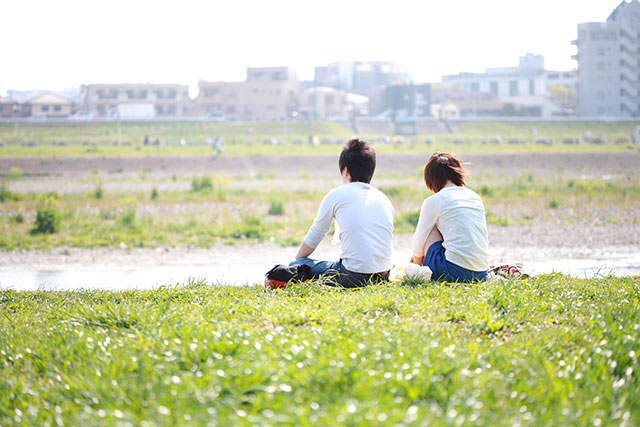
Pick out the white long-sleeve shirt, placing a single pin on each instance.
(364, 216)
(459, 214)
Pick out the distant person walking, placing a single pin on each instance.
(364, 221)
(451, 235)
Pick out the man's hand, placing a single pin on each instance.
(304, 251)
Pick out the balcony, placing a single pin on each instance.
(575, 42)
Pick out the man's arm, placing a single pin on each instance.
(318, 229)
(304, 251)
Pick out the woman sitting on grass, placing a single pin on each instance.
(452, 229)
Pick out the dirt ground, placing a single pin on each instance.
(569, 164)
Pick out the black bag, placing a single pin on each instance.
(284, 273)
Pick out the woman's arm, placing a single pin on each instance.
(428, 218)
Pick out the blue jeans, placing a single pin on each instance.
(446, 271)
(335, 274)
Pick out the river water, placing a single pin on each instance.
(252, 272)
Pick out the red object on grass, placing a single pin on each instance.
(274, 284)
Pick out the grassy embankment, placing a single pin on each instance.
(98, 139)
(545, 351)
(256, 210)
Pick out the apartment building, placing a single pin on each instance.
(136, 100)
(527, 83)
(360, 77)
(608, 56)
(325, 103)
(267, 93)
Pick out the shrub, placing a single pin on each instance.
(487, 191)
(17, 218)
(201, 184)
(154, 193)
(7, 195)
(128, 218)
(554, 203)
(98, 192)
(47, 220)
(14, 173)
(276, 208)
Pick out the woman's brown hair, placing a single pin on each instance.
(443, 167)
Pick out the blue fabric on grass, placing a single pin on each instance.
(335, 274)
(446, 271)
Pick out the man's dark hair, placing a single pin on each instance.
(443, 167)
(360, 159)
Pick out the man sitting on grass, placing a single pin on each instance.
(364, 221)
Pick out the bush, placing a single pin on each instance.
(201, 184)
(47, 220)
(487, 191)
(276, 208)
(7, 195)
(154, 193)
(554, 203)
(128, 218)
(14, 173)
(17, 218)
(98, 192)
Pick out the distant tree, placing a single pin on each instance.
(563, 96)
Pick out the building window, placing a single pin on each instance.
(45, 108)
(57, 108)
(493, 88)
(600, 66)
(600, 96)
(513, 88)
(532, 87)
(475, 87)
(600, 51)
(271, 107)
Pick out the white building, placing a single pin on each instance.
(526, 83)
(324, 103)
(136, 100)
(609, 64)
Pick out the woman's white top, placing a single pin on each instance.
(364, 217)
(459, 214)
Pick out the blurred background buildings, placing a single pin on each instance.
(606, 83)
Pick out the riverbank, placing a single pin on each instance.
(551, 350)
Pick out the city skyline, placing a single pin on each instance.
(70, 43)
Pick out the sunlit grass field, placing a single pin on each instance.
(229, 211)
(127, 139)
(546, 351)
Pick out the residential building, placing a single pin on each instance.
(450, 102)
(608, 59)
(364, 78)
(267, 93)
(136, 100)
(526, 83)
(8, 107)
(406, 102)
(48, 106)
(324, 103)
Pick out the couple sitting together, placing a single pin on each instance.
(450, 238)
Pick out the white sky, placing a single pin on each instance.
(56, 44)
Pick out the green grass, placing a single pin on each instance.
(226, 210)
(546, 351)
(98, 139)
